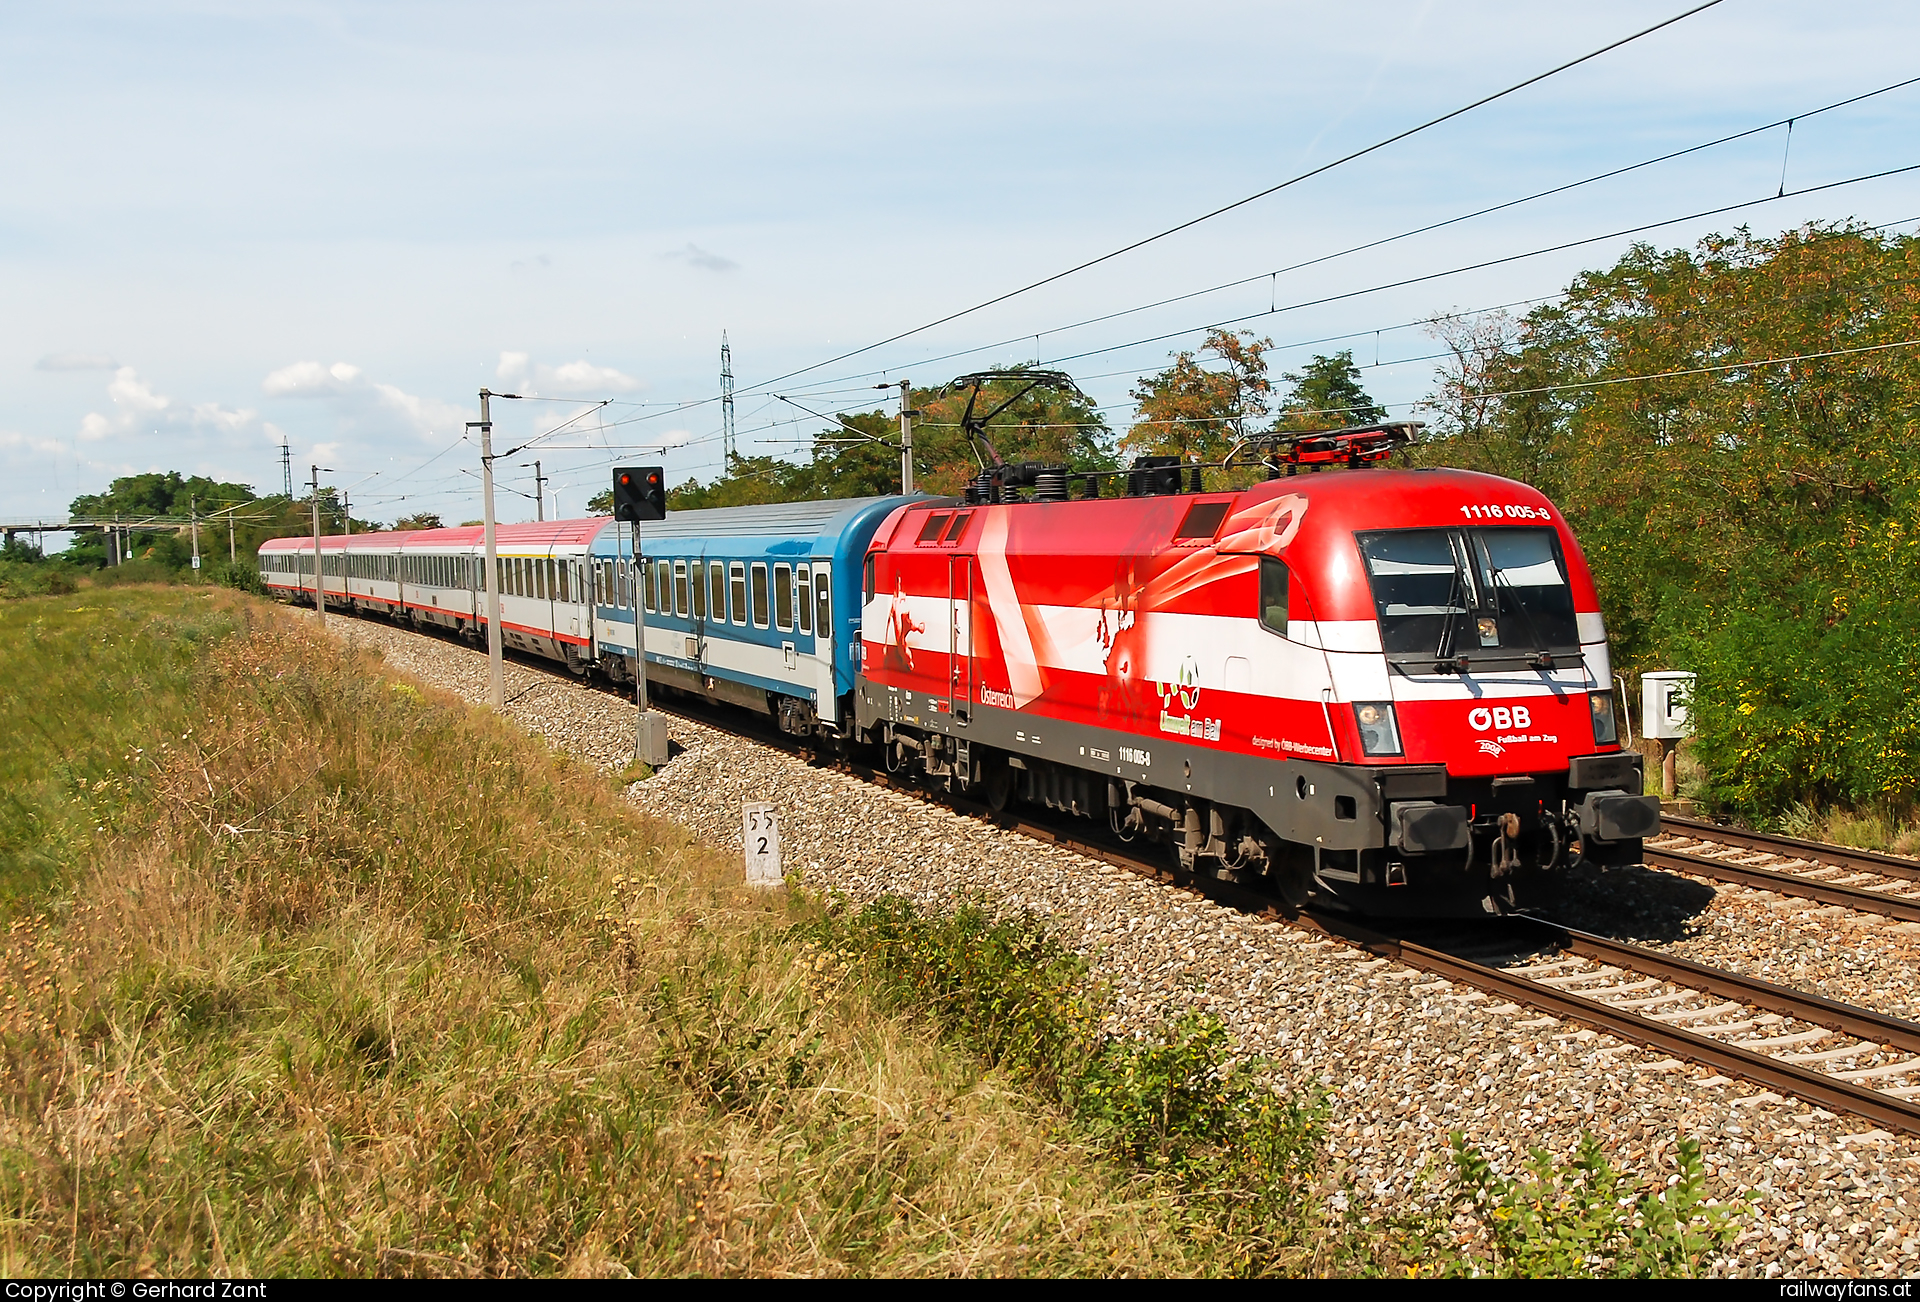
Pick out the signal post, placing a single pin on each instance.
(640, 493)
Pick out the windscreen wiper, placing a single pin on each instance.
(1445, 659)
(1543, 655)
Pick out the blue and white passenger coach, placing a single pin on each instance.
(756, 606)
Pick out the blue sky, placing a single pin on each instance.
(229, 224)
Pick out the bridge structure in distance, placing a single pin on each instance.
(119, 529)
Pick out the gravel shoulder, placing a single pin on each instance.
(1404, 1057)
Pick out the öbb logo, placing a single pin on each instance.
(1500, 717)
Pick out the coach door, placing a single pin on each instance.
(959, 635)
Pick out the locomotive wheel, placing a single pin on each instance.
(997, 786)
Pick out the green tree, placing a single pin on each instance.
(419, 520)
(1326, 394)
(1196, 412)
(1758, 523)
(864, 460)
(161, 493)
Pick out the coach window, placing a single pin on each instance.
(663, 585)
(680, 603)
(737, 587)
(1273, 594)
(759, 594)
(648, 595)
(936, 521)
(805, 581)
(783, 598)
(717, 590)
(697, 588)
(822, 606)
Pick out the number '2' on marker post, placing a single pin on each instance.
(760, 832)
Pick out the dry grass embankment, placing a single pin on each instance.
(310, 972)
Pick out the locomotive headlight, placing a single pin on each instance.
(1379, 730)
(1605, 732)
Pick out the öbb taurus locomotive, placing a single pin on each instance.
(1387, 688)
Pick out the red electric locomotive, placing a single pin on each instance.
(1389, 688)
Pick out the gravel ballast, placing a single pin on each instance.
(1405, 1057)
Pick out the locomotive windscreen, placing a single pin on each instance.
(1489, 594)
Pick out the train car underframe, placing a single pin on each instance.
(1405, 840)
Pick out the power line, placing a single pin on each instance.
(1270, 190)
(1481, 266)
(1277, 272)
(1692, 370)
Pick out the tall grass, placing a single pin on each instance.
(307, 971)
(344, 979)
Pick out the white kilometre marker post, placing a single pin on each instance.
(760, 833)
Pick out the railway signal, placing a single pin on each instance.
(639, 493)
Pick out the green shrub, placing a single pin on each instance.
(1176, 1105)
(37, 579)
(143, 570)
(1585, 1218)
(1805, 696)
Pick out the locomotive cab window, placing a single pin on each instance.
(936, 521)
(1274, 578)
(1492, 595)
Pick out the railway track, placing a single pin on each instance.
(1790, 1042)
(1828, 874)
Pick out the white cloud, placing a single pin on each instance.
(581, 378)
(138, 407)
(76, 362)
(363, 402)
(695, 256)
(14, 439)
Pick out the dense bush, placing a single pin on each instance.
(48, 578)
